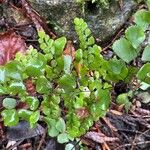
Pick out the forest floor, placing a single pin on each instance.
(118, 130)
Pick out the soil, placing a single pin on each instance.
(118, 130)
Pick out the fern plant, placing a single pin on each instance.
(57, 79)
(70, 94)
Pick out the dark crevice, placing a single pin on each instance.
(91, 7)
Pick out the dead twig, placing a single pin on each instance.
(118, 34)
(127, 145)
(100, 137)
(115, 112)
(109, 124)
(42, 139)
(105, 146)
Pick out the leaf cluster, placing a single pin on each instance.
(129, 47)
(71, 88)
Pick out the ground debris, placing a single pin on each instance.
(100, 137)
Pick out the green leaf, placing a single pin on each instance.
(116, 70)
(3, 90)
(9, 103)
(146, 53)
(53, 63)
(122, 99)
(43, 46)
(67, 64)
(77, 21)
(144, 86)
(16, 87)
(52, 131)
(125, 50)
(60, 64)
(104, 99)
(144, 73)
(132, 71)
(62, 138)
(41, 34)
(135, 35)
(10, 117)
(148, 4)
(61, 125)
(60, 45)
(46, 110)
(43, 85)
(73, 124)
(36, 65)
(79, 55)
(69, 147)
(91, 40)
(85, 91)
(73, 131)
(87, 32)
(79, 102)
(49, 72)
(2, 74)
(11, 68)
(67, 82)
(55, 99)
(24, 114)
(35, 116)
(33, 102)
(142, 18)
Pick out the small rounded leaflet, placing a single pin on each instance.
(9, 103)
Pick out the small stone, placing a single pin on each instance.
(23, 131)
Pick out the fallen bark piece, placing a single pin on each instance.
(100, 137)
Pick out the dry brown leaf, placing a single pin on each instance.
(70, 50)
(30, 87)
(10, 44)
(82, 112)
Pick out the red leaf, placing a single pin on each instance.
(10, 44)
